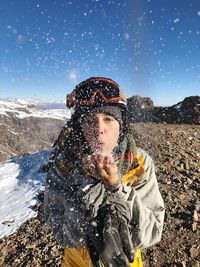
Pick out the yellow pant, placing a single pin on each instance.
(74, 257)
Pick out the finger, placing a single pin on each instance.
(107, 164)
(100, 163)
(100, 157)
(101, 171)
(108, 167)
(110, 161)
(106, 160)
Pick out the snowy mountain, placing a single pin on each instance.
(20, 180)
(42, 104)
(58, 104)
(25, 128)
(27, 109)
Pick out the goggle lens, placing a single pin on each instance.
(89, 94)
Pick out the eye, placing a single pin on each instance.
(107, 118)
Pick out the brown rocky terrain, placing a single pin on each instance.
(176, 153)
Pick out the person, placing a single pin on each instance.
(102, 200)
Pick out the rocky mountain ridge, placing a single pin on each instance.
(28, 129)
(143, 110)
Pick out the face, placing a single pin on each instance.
(101, 132)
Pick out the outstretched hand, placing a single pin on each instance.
(102, 167)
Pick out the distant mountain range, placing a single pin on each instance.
(37, 102)
(143, 110)
(26, 128)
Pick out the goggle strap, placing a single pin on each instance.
(71, 99)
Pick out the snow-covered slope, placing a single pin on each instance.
(20, 179)
(20, 182)
(42, 104)
(24, 111)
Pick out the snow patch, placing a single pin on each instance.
(20, 180)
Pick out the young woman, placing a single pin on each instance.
(102, 200)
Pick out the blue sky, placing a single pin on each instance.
(151, 48)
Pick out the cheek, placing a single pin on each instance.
(114, 134)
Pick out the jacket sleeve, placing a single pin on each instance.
(146, 207)
(64, 211)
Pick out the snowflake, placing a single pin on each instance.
(126, 36)
(176, 20)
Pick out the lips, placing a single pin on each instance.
(99, 145)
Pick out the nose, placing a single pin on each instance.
(100, 126)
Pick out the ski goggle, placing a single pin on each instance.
(88, 95)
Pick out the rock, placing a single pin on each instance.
(183, 264)
(194, 226)
(189, 181)
(8, 222)
(195, 216)
(194, 252)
